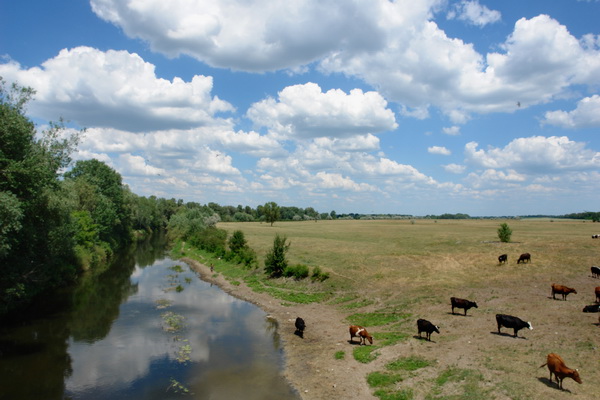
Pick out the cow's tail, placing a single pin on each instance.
(543, 365)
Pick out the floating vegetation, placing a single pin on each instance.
(163, 303)
(178, 387)
(172, 322)
(183, 353)
(188, 280)
(179, 288)
(176, 268)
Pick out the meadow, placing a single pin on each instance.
(387, 273)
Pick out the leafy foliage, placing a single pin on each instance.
(504, 233)
(36, 245)
(272, 212)
(275, 261)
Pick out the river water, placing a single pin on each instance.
(146, 328)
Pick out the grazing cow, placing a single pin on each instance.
(425, 326)
(300, 325)
(597, 290)
(595, 271)
(563, 290)
(523, 258)
(361, 333)
(509, 321)
(556, 365)
(462, 303)
(595, 236)
(502, 258)
(592, 308)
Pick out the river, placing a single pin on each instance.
(145, 328)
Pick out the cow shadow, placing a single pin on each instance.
(299, 333)
(355, 343)
(423, 338)
(508, 335)
(462, 315)
(552, 384)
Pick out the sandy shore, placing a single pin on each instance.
(311, 367)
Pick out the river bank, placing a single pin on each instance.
(310, 365)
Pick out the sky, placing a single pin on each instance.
(420, 107)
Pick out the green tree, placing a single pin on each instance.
(36, 234)
(101, 192)
(272, 212)
(237, 241)
(275, 261)
(504, 233)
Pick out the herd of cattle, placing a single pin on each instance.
(554, 362)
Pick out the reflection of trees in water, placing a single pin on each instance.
(272, 327)
(97, 299)
(151, 249)
(33, 358)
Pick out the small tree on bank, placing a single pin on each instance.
(504, 233)
(275, 261)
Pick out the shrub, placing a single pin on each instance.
(318, 275)
(298, 271)
(504, 233)
(275, 261)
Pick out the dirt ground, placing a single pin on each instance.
(508, 367)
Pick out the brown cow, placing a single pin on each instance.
(360, 332)
(523, 258)
(563, 290)
(597, 290)
(556, 365)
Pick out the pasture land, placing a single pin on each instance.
(409, 269)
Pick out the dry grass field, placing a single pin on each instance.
(412, 268)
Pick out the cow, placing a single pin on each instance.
(361, 333)
(595, 236)
(523, 258)
(592, 308)
(462, 303)
(509, 321)
(597, 290)
(425, 326)
(595, 271)
(502, 258)
(556, 365)
(300, 326)
(563, 290)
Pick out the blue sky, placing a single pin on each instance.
(409, 107)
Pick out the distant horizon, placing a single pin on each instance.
(374, 106)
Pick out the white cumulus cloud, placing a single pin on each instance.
(473, 13)
(587, 114)
(304, 111)
(115, 89)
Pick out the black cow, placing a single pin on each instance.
(425, 326)
(509, 321)
(462, 303)
(502, 258)
(592, 308)
(595, 271)
(523, 258)
(300, 325)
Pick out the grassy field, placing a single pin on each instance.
(378, 255)
(385, 274)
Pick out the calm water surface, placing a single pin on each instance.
(144, 329)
